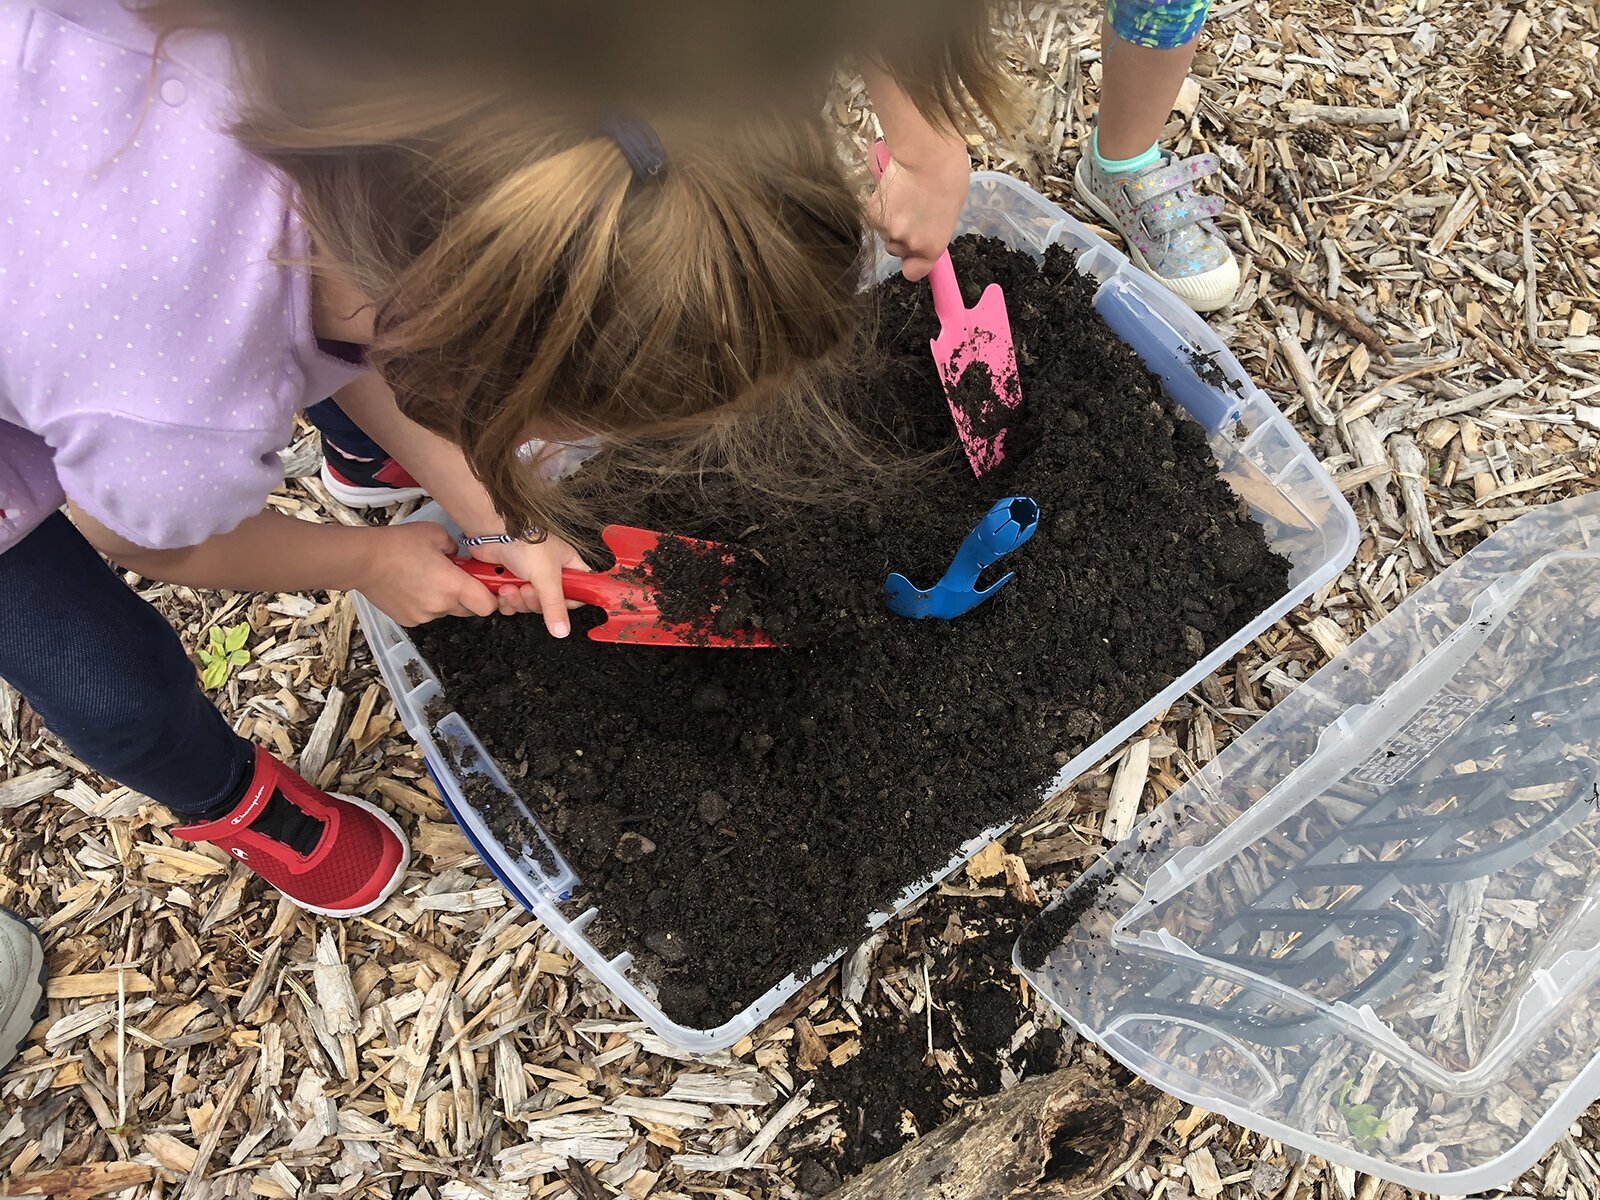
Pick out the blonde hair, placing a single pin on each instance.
(527, 284)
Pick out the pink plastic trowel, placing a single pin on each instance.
(973, 344)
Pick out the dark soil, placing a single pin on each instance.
(786, 794)
(1048, 930)
(978, 405)
(893, 1090)
(1210, 371)
(702, 589)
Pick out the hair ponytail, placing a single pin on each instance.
(527, 284)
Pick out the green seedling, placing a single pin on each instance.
(1362, 1120)
(224, 650)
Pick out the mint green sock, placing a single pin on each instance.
(1119, 166)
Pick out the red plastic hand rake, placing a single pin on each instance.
(628, 593)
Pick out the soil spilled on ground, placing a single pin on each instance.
(964, 1035)
(1048, 930)
(747, 810)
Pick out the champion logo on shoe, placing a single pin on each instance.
(253, 805)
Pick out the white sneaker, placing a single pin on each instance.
(21, 982)
(1166, 224)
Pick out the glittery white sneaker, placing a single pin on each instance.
(21, 982)
(1167, 224)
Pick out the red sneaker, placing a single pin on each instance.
(334, 855)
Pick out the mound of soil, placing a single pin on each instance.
(739, 813)
(895, 1088)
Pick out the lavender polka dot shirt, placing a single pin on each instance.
(153, 345)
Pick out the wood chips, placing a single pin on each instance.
(1413, 193)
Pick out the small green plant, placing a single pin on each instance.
(224, 650)
(1363, 1121)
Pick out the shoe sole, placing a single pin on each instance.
(394, 880)
(15, 1030)
(1205, 302)
(352, 496)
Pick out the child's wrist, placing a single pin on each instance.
(369, 552)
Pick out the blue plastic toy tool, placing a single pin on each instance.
(1004, 527)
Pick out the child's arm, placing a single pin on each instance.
(340, 311)
(439, 466)
(920, 196)
(403, 569)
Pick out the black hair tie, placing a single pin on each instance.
(639, 143)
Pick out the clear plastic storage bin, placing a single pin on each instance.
(1258, 452)
(1370, 928)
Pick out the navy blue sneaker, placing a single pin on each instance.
(366, 482)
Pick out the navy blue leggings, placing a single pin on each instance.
(336, 427)
(331, 421)
(109, 676)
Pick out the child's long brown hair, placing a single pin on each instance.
(526, 282)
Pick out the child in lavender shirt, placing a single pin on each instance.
(188, 224)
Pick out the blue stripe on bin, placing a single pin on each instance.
(1134, 321)
(488, 859)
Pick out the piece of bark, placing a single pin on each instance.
(80, 1182)
(1122, 807)
(1304, 375)
(1336, 311)
(1411, 472)
(1361, 436)
(1069, 1135)
(1344, 114)
(324, 736)
(810, 1050)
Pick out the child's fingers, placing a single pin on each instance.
(437, 536)
(914, 261)
(524, 599)
(574, 562)
(878, 207)
(553, 604)
(455, 593)
(478, 600)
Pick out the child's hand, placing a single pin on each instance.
(541, 564)
(408, 574)
(918, 200)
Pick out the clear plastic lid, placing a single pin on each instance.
(1370, 927)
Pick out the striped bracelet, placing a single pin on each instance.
(502, 539)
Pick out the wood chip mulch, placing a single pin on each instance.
(1414, 194)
